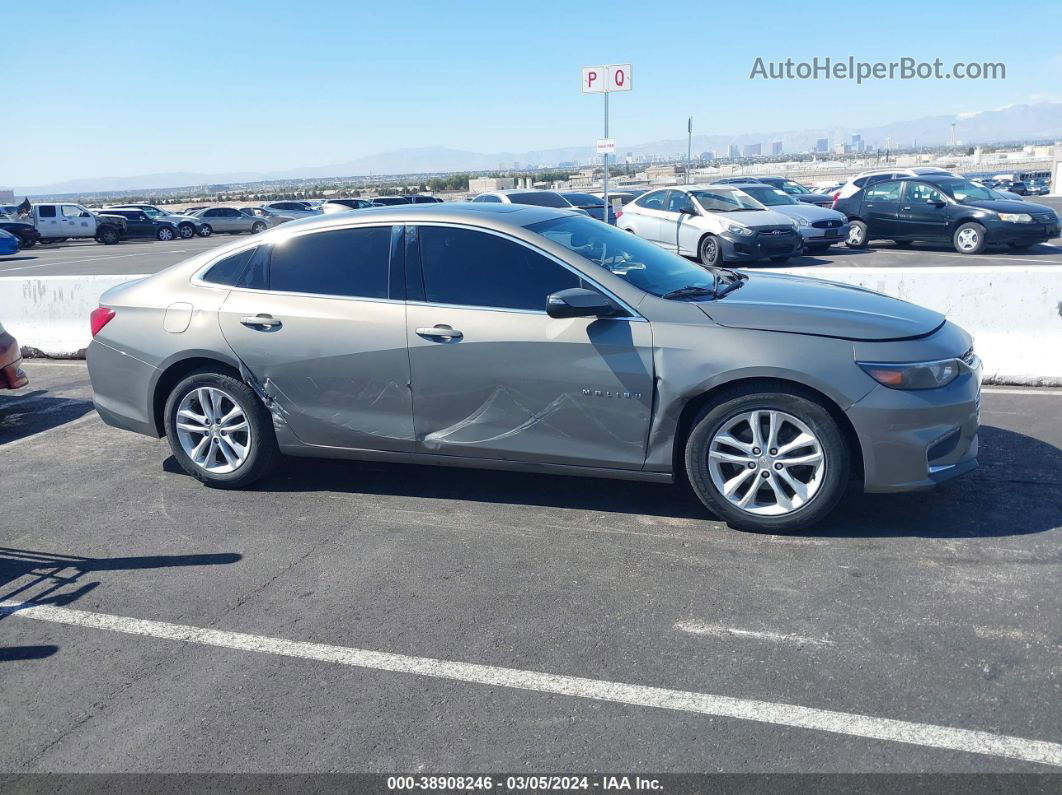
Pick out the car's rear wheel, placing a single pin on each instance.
(857, 235)
(767, 461)
(969, 238)
(206, 230)
(165, 233)
(219, 431)
(710, 252)
(186, 231)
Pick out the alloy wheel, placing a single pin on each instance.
(855, 235)
(967, 239)
(766, 462)
(187, 232)
(213, 430)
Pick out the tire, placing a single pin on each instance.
(223, 465)
(902, 243)
(258, 228)
(108, 236)
(969, 238)
(780, 260)
(823, 481)
(857, 235)
(206, 230)
(710, 251)
(26, 242)
(165, 233)
(186, 231)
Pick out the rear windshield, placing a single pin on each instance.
(541, 199)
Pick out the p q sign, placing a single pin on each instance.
(601, 79)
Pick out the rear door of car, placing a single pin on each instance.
(881, 208)
(319, 320)
(493, 376)
(648, 215)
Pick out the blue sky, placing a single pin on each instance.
(132, 88)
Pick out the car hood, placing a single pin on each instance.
(756, 218)
(814, 198)
(800, 305)
(1018, 206)
(809, 212)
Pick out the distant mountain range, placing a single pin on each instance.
(1011, 123)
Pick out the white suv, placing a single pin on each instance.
(868, 178)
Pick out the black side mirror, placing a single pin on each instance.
(687, 211)
(938, 203)
(577, 302)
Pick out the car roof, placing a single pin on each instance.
(482, 214)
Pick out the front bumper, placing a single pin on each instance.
(1024, 234)
(12, 375)
(818, 237)
(758, 246)
(914, 439)
(9, 246)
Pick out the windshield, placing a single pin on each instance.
(768, 196)
(794, 187)
(963, 189)
(645, 265)
(721, 200)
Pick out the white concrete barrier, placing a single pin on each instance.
(1013, 312)
(49, 315)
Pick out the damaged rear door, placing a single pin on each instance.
(321, 326)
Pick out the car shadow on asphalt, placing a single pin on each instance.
(34, 412)
(8, 260)
(1015, 492)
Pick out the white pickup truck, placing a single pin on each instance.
(60, 221)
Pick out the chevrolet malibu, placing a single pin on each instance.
(535, 339)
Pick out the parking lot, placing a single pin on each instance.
(351, 616)
(90, 258)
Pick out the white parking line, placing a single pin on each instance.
(716, 630)
(923, 734)
(1042, 392)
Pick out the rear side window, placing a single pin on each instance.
(470, 268)
(344, 262)
(233, 270)
(884, 192)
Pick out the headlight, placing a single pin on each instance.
(919, 375)
(801, 221)
(738, 229)
(1016, 218)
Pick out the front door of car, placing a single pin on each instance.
(319, 320)
(881, 208)
(493, 376)
(76, 221)
(215, 217)
(923, 212)
(139, 225)
(686, 233)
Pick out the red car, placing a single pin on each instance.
(11, 373)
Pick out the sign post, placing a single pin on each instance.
(605, 80)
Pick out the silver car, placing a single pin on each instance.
(187, 227)
(229, 219)
(715, 223)
(292, 209)
(819, 226)
(535, 339)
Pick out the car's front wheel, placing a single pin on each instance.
(165, 233)
(108, 236)
(857, 235)
(767, 461)
(710, 251)
(970, 238)
(186, 231)
(206, 230)
(219, 431)
(26, 242)
(258, 228)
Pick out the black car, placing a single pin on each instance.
(942, 208)
(140, 224)
(27, 234)
(593, 205)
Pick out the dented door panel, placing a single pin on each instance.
(334, 370)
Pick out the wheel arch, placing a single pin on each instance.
(171, 373)
(746, 385)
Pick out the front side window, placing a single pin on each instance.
(920, 192)
(884, 192)
(46, 211)
(470, 268)
(678, 202)
(963, 190)
(343, 262)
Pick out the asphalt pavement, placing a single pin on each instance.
(75, 258)
(346, 616)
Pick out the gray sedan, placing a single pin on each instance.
(820, 227)
(229, 219)
(535, 339)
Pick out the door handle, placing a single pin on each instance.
(265, 321)
(904, 209)
(441, 330)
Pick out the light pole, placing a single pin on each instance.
(689, 147)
